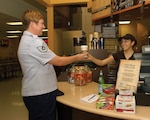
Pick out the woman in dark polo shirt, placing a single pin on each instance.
(128, 41)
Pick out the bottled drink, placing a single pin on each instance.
(100, 82)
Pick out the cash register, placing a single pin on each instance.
(145, 61)
(143, 92)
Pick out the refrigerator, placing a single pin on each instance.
(72, 41)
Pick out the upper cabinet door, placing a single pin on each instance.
(106, 8)
(101, 9)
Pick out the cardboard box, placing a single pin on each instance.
(108, 89)
(105, 102)
(125, 104)
(107, 98)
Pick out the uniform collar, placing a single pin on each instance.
(30, 34)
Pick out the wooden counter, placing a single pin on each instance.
(72, 95)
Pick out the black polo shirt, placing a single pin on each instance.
(120, 55)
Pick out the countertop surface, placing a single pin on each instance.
(73, 94)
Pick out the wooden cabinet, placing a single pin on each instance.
(136, 6)
(106, 8)
(89, 5)
(101, 9)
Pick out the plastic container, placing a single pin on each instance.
(79, 74)
(88, 74)
(71, 74)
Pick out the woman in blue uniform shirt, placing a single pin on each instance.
(39, 82)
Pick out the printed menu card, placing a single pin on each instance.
(128, 75)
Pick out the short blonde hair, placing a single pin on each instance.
(31, 15)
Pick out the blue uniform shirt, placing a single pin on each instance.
(39, 76)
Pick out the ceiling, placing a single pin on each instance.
(14, 13)
(17, 7)
(11, 10)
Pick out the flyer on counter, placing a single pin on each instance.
(128, 75)
(90, 98)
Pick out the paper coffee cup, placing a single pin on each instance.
(84, 48)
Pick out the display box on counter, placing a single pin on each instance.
(105, 102)
(125, 104)
(108, 89)
(107, 98)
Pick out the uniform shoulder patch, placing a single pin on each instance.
(42, 48)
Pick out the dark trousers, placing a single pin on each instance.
(41, 107)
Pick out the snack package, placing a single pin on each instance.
(125, 104)
(105, 102)
(108, 89)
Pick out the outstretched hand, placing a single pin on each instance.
(82, 56)
(90, 57)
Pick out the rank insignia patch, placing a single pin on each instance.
(42, 48)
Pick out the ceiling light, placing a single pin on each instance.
(14, 23)
(124, 22)
(12, 36)
(44, 37)
(45, 30)
(13, 31)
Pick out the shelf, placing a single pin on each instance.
(131, 8)
(127, 9)
(102, 14)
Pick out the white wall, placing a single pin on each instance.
(16, 8)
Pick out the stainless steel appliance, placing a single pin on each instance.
(143, 94)
(145, 59)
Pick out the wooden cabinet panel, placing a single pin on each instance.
(97, 4)
(101, 9)
(105, 8)
(89, 4)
